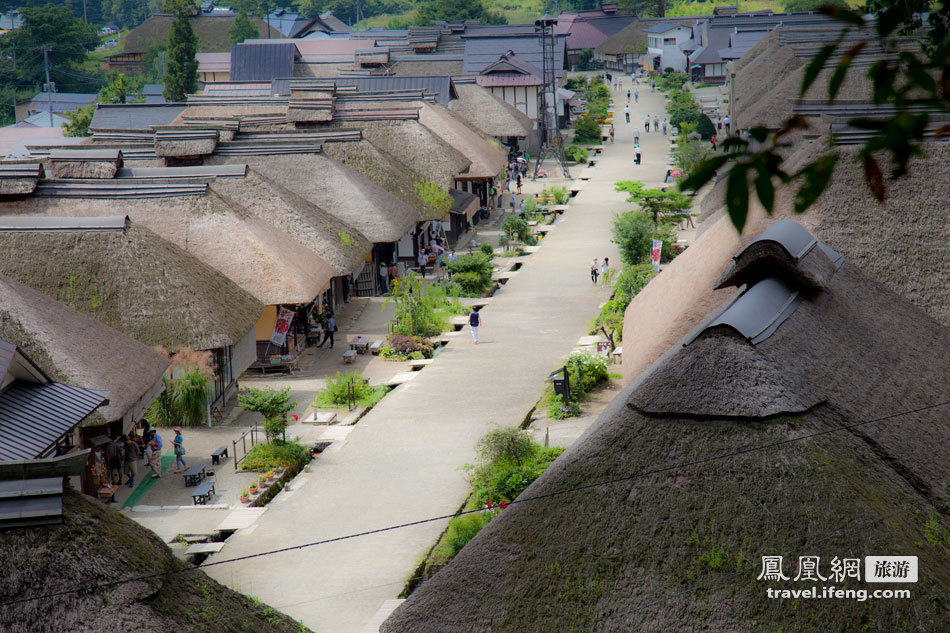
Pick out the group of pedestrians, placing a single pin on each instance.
(599, 269)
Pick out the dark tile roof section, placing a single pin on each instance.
(33, 417)
(662, 27)
(262, 62)
(131, 116)
(483, 51)
(441, 87)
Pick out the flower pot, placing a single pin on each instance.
(253, 490)
(245, 499)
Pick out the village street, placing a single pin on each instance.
(402, 462)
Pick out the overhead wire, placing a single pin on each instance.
(556, 493)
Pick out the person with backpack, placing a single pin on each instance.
(474, 321)
(331, 328)
(626, 113)
(637, 155)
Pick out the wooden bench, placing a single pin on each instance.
(107, 493)
(348, 356)
(202, 494)
(221, 451)
(375, 347)
(194, 475)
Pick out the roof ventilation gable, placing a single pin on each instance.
(758, 311)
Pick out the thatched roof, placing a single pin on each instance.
(211, 31)
(342, 192)
(487, 160)
(768, 79)
(133, 281)
(661, 552)
(78, 350)
(633, 38)
(96, 544)
(263, 260)
(413, 144)
(901, 242)
(290, 212)
(487, 113)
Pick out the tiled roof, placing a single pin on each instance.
(483, 51)
(262, 62)
(133, 116)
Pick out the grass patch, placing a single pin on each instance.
(287, 455)
(342, 386)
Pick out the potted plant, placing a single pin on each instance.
(253, 487)
(262, 481)
(244, 496)
(270, 475)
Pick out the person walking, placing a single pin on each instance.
(178, 446)
(155, 457)
(114, 462)
(628, 96)
(637, 157)
(656, 124)
(594, 271)
(636, 136)
(331, 328)
(521, 213)
(611, 132)
(664, 127)
(512, 203)
(646, 124)
(713, 143)
(383, 278)
(474, 321)
(129, 467)
(422, 259)
(604, 267)
(636, 96)
(626, 112)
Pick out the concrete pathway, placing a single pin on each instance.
(402, 461)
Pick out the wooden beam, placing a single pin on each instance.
(63, 466)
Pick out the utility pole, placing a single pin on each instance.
(49, 86)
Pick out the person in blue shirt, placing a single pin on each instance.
(178, 444)
(155, 457)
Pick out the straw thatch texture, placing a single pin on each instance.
(489, 114)
(414, 144)
(291, 213)
(662, 552)
(78, 350)
(98, 169)
(96, 544)
(261, 259)
(17, 186)
(135, 282)
(487, 160)
(342, 192)
(385, 170)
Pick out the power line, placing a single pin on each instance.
(556, 493)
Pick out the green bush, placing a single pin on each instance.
(487, 249)
(402, 344)
(508, 462)
(472, 273)
(576, 153)
(705, 126)
(587, 372)
(289, 455)
(587, 130)
(414, 308)
(471, 283)
(557, 409)
(461, 530)
(560, 194)
(338, 387)
(577, 84)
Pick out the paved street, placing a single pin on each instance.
(402, 461)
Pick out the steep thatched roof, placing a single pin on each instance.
(489, 114)
(660, 552)
(487, 160)
(133, 281)
(901, 242)
(633, 38)
(263, 260)
(292, 213)
(96, 544)
(78, 350)
(414, 144)
(768, 79)
(342, 192)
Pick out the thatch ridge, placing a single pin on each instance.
(96, 544)
(133, 281)
(661, 552)
(487, 113)
(76, 349)
(487, 160)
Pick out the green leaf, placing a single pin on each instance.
(817, 175)
(875, 178)
(764, 188)
(703, 173)
(737, 195)
(815, 66)
(888, 20)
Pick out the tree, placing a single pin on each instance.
(656, 202)
(272, 404)
(586, 130)
(125, 13)
(242, 29)
(629, 283)
(644, 8)
(79, 121)
(458, 10)
(181, 74)
(912, 85)
(120, 89)
(812, 5)
(68, 38)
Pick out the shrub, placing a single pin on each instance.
(632, 232)
(577, 84)
(705, 126)
(560, 194)
(576, 153)
(514, 227)
(587, 372)
(508, 462)
(472, 273)
(402, 344)
(487, 249)
(471, 283)
(414, 308)
(558, 410)
(289, 455)
(461, 530)
(586, 130)
(669, 69)
(339, 386)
